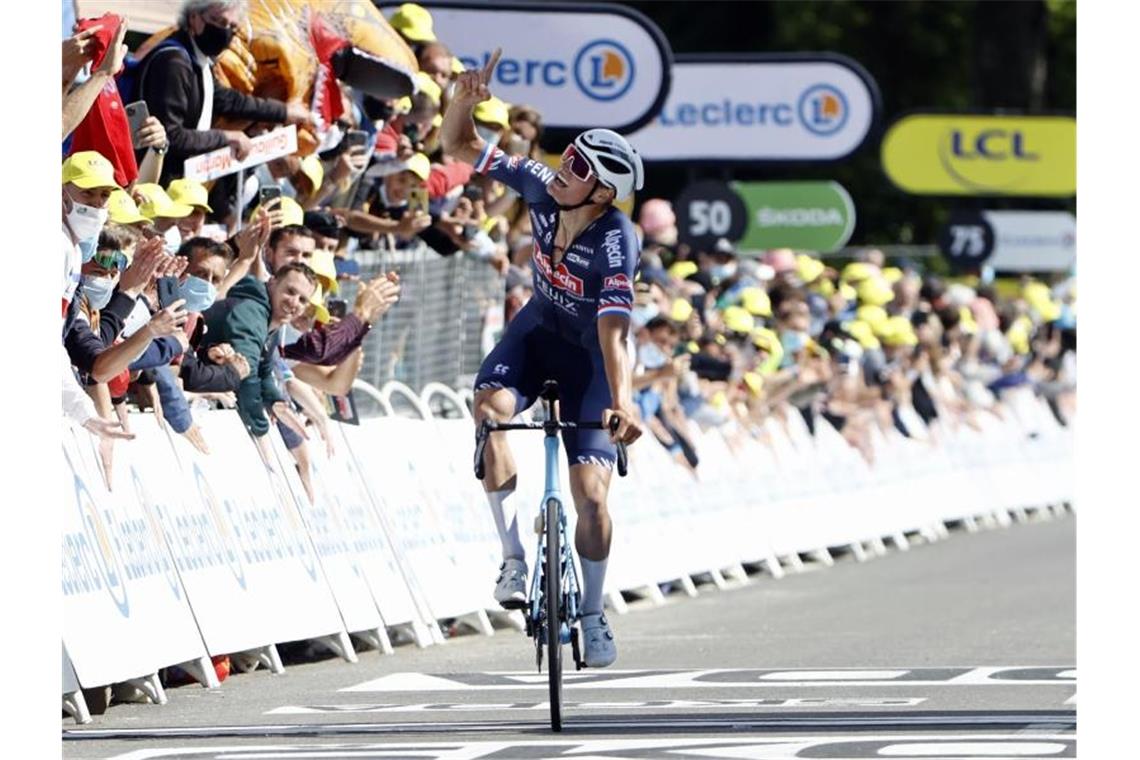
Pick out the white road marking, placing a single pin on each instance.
(723, 678)
(674, 704)
(753, 748)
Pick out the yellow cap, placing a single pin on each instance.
(849, 293)
(428, 86)
(857, 271)
(1018, 334)
(681, 310)
(966, 320)
(312, 168)
(875, 316)
(738, 320)
(892, 274)
(863, 333)
(158, 205)
(413, 22)
(767, 340)
(756, 302)
(875, 291)
(808, 269)
(418, 165)
(291, 212)
(189, 192)
(323, 265)
(402, 105)
(317, 301)
(682, 269)
(824, 287)
(456, 66)
(122, 209)
(88, 169)
(493, 111)
(754, 382)
(898, 331)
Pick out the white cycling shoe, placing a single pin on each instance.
(600, 649)
(510, 587)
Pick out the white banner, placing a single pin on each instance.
(589, 65)
(125, 614)
(1032, 241)
(218, 163)
(767, 108)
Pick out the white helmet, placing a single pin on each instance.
(613, 160)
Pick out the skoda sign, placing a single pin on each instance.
(762, 108)
(1026, 156)
(813, 216)
(581, 65)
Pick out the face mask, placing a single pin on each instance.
(489, 134)
(793, 341)
(289, 334)
(172, 240)
(88, 248)
(213, 39)
(86, 222)
(722, 272)
(199, 294)
(517, 145)
(642, 314)
(98, 291)
(651, 357)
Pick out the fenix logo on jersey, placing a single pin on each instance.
(618, 282)
(560, 277)
(615, 257)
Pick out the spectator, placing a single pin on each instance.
(414, 24)
(188, 192)
(157, 206)
(177, 82)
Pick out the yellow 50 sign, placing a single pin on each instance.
(928, 154)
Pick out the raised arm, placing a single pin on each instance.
(457, 133)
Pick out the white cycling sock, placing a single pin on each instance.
(593, 583)
(507, 523)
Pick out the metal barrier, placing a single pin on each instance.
(436, 332)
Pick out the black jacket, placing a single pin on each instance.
(172, 89)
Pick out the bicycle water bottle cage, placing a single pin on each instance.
(550, 390)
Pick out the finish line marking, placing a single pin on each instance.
(734, 678)
(664, 704)
(855, 746)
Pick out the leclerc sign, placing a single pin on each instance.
(1029, 156)
(580, 65)
(778, 107)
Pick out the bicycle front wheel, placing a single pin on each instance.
(553, 602)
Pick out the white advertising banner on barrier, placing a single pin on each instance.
(125, 614)
(1032, 241)
(581, 65)
(330, 539)
(268, 586)
(265, 147)
(762, 108)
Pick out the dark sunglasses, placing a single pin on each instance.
(577, 164)
(111, 260)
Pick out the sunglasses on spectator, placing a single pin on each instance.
(111, 260)
(577, 164)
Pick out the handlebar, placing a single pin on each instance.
(550, 427)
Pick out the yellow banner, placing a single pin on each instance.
(928, 154)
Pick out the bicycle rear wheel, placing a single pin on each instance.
(553, 602)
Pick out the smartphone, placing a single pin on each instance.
(267, 193)
(418, 199)
(470, 230)
(167, 291)
(355, 138)
(137, 114)
(337, 307)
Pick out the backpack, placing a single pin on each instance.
(130, 79)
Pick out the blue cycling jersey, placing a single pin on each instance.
(595, 276)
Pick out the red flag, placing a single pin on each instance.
(105, 128)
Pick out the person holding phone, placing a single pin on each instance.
(574, 330)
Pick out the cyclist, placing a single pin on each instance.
(573, 330)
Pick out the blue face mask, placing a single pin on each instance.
(88, 248)
(199, 294)
(722, 272)
(98, 291)
(792, 341)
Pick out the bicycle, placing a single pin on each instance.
(554, 601)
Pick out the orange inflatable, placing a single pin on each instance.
(299, 50)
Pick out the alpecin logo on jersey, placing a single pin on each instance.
(618, 282)
(561, 278)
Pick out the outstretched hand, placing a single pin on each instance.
(474, 86)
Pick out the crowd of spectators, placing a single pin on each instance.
(173, 301)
